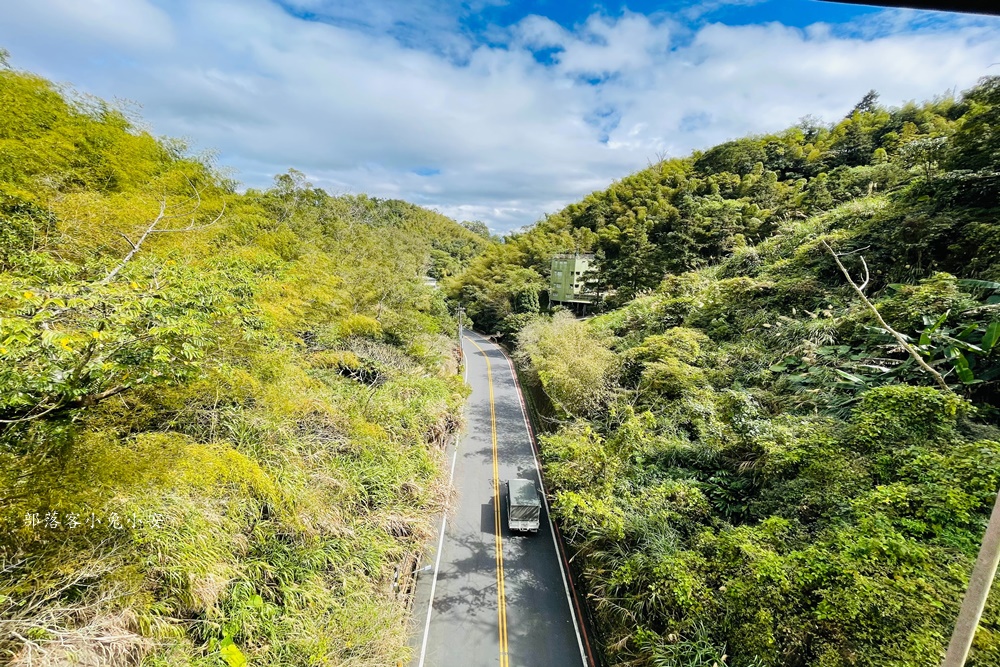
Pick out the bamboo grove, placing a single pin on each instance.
(754, 462)
(221, 414)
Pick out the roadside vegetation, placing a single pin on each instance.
(751, 468)
(221, 414)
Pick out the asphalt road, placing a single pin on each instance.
(492, 597)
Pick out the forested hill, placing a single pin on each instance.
(924, 161)
(221, 414)
(753, 465)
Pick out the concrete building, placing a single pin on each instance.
(567, 280)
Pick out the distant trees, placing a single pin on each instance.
(682, 214)
(478, 227)
(189, 400)
(753, 467)
(737, 157)
(867, 104)
(976, 143)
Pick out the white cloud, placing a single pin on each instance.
(499, 136)
(708, 6)
(606, 46)
(128, 24)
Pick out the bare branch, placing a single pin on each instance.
(190, 212)
(165, 214)
(31, 417)
(192, 227)
(865, 283)
(135, 247)
(853, 252)
(94, 399)
(84, 401)
(895, 334)
(128, 240)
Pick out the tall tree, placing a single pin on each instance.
(867, 104)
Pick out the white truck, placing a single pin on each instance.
(524, 507)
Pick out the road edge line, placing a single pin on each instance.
(430, 602)
(437, 560)
(585, 653)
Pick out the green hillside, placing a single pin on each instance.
(221, 414)
(750, 466)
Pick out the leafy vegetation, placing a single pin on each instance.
(751, 468)
(221, 414)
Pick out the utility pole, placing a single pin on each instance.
(975, 598)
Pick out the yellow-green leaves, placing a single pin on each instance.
(274, 388)
(571, 363)
(232, 654)
(79, 340)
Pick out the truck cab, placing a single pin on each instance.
(524, 506)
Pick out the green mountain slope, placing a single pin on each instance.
(683, 214)
(222, 414)
(751, 469)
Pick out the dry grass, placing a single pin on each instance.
(104, 640)
(74, 617)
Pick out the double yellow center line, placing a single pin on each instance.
(501, 595)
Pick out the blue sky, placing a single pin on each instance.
(567, 14)
(485, 109)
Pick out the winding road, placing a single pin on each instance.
(490, 597)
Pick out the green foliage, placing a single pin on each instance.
(71, 345)
(685, 214)
(901, 415)
(765, 476)
(251, 412)
(568, 362)
(478, 227)
(497, 286)
(977, 142)
(736, 157)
